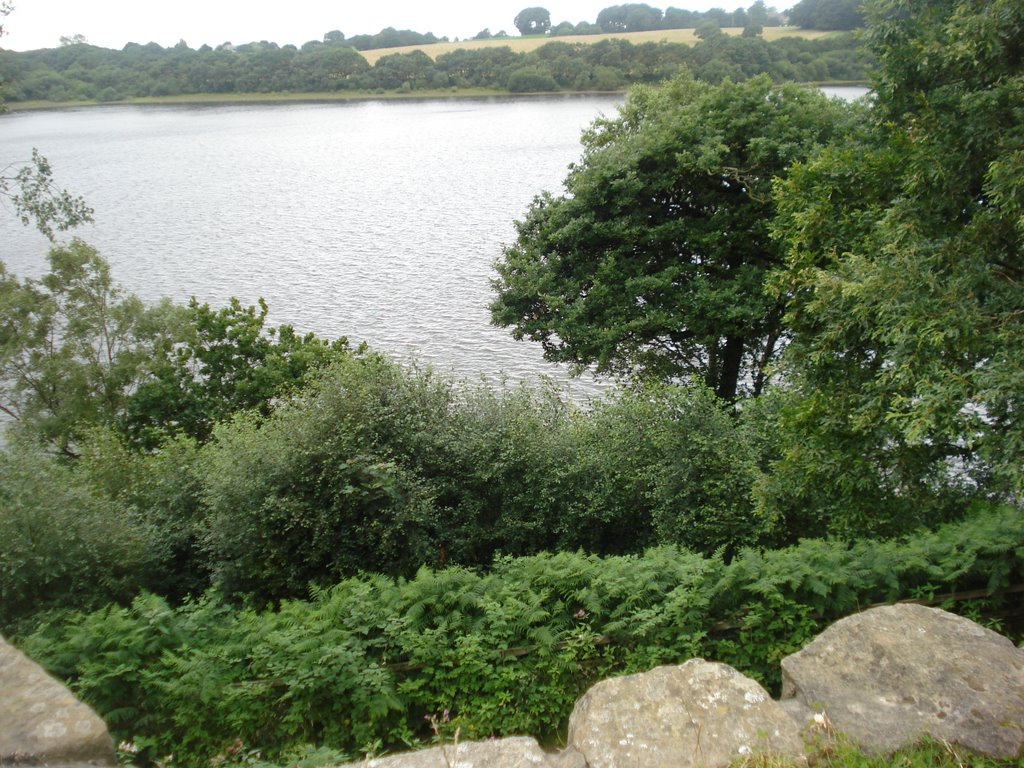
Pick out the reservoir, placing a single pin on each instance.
(375, 220)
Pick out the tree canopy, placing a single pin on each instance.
(533, 21)
(653, 263)
(903, 252)
(631, 17)
(827, 14)
(87, 72)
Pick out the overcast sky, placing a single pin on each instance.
(112, 23)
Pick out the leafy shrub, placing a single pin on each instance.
(361, 664)
(661, 465)
(62, 544)
(532, 79)
(162, 489)
(505, 479)
(313, 495)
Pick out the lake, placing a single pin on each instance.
(376, 220)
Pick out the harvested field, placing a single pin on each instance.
(525, 44)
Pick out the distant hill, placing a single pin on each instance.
(528, 44)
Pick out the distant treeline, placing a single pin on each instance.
(85, 72)
(640, 17)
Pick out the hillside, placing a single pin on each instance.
(528, 44)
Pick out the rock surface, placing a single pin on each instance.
(697, 714)
(517, 752)
(888, 675)
(41, 722)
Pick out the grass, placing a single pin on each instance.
(533, 42)
(929, 753)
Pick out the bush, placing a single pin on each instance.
(315, 494)
(662, 465)
(360, 665)
(162, 489)
(531, 80)
(62, 544)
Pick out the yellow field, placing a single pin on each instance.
(525, 44)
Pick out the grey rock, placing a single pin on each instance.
(41, 722)
(887, 676)
(697, 714)
(515, 752)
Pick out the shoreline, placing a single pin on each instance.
(314, 97)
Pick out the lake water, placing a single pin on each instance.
(376, 220)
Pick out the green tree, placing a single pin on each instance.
(631, 17)
(653, 263)
(532, 79)
(904, 268)
(756, 19)
(72, 346)
(827, 14)
(533, 21)
(77, 39)
(396, 69)
(709, 30)
(222, 361)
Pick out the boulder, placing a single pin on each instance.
(41, 722)
(888, 675)
(697, 714)
(516, 752)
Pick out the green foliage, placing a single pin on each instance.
(314, 494)
(629, 17)
(361, 664)
(531, 80)
(903, 264)
(501, 475)
(61, 544)
(533, 21)
(86, 72)
(114, 657)
(36, 198)
(162, 489)
(827, 14)
(77, 352)
(653, 262)
(72, 346)
(389, 37)
(383, 469)
(222, 362)
(684, 478)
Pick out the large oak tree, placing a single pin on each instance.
(653, 263)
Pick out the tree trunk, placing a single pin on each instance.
(729, 367)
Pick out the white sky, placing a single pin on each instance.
(112, 23)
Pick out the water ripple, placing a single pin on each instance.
(377, 220)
